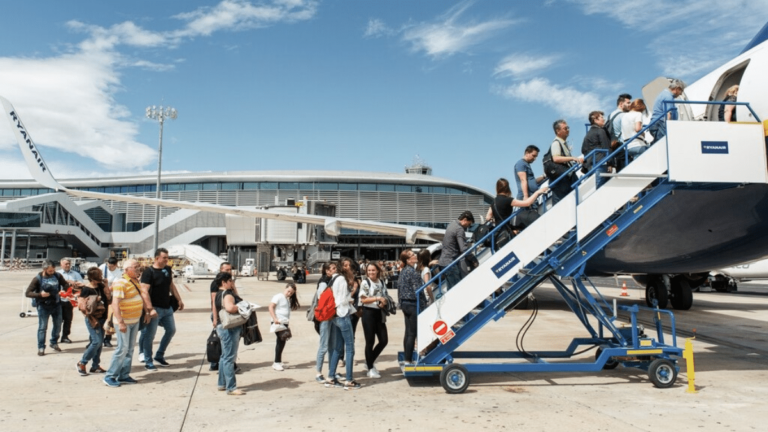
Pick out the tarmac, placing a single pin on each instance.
(731, 348)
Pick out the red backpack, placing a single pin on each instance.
(326, 304)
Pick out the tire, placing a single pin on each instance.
(22, 315)
(656, 290)
(662, 373)
(682, 295)
(612, 363)
(454, 378)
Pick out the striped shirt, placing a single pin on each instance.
(130, 302)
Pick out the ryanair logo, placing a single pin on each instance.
(505, 265)
(714, 147)
(28, 140)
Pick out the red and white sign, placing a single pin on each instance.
(448, 336)
(440, 328)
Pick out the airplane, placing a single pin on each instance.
(670, 250)
(727, 279)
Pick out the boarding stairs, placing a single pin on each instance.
(558, 245)
(203, 261)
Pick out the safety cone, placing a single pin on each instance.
(624, 292)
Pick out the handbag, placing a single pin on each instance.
(109, 326)
(251, 333)
(174, 303)
(213, 347)
(231, 320)
(284, 335)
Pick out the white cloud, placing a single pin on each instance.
(566, 101)
(376, 28)
(521, 65)
(242, 15)
(690, 36)
(67, 101)
(448, 35)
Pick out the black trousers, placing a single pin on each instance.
(411, 324)
(279, 347)
(66, 318)
(374, 328)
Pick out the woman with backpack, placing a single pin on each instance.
(227, 300)
(280, 309)
(323, 328)
(373, 300)
(341, 337)
(95, 312)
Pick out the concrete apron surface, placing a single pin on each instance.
(46, 393)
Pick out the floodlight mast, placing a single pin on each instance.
(159, 114)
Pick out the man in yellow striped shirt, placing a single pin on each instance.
(127, 304)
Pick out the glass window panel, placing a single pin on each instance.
(386, 188)
(288, 185)
(438, 189)
(150, 188)
(306, 186)
(250, 185)
(230, 186)
(346, 186)
(269, 185)
(174, 187)
(367, 187)
(26, 192)
(454, 191)
(192, 186)
(210, 186)
(403, 188)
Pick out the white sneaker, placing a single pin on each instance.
(277, 366)
(373, 373)
(141, 357)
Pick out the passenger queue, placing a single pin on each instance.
(132, 302)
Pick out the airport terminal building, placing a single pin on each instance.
(72, 226)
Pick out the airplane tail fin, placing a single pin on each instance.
(759, 38)
(32, 156)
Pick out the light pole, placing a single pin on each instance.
(159, 114)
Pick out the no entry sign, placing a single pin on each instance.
(440, 328)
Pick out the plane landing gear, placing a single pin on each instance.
(664, 289)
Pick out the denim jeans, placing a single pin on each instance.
(164, 319)
(322, 348)
(452, 276)
(230, 339)
(120, 366)
(636, 151)
(341, 337)
(93, 350)
(42, 326)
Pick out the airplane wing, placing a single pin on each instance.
(333, 226)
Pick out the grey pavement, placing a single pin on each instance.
(46, 393)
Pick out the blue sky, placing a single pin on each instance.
(331, 85)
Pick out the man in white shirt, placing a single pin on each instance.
(66, 307)
(111, 272)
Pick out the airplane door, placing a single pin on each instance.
(754, 87)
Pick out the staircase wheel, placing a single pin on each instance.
(656, 290)
(612, 363)
(454, 378)
(662, 373)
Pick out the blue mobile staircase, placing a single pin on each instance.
(557, 247)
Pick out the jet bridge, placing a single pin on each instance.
(556, 248)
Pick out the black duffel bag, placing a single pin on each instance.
(213, 347)
(251, 333)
